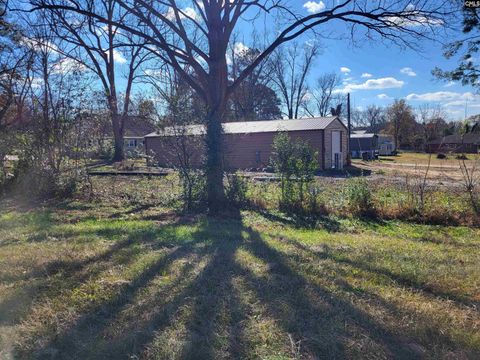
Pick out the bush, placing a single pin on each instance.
(193, 189)
(45, 183)
(441, 156)
(461, 157)
(295, 162)
(236, 190)
(359, 197)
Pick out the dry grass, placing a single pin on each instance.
(423, 158)
(125, 277)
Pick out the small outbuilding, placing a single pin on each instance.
(363, 145)
(386, 146)
(248, 145)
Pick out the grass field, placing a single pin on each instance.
(126, 277)
(423, 158)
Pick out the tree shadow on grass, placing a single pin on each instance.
(298, 221)
(437, 337)
(200, 313)
(59, 276)
(315, 315)
(367, 264)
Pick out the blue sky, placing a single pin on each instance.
(389, 72)
(408, 73)
(377, 72)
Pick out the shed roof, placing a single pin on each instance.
(247, 127)
(137, 126)
(363, 136)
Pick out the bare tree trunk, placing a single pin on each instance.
(118, 154)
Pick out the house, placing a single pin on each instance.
(248, 145)
(363, 145)
(134, 129)
(468, 143)
(367, 145)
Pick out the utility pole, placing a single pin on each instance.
(349, 126)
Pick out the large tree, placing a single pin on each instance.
(323, 96)
(291, 68)
(196, 35)
(254, 98)
(402, 125)
(102, 48)
(467, 71)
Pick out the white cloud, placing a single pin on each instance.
(345, 70)
(444, 96)
(188, 12)
(366, 75)
(408, 71)
(375, 84)
(314, 7)
(67, 65)
(239, 48)
(118, 57)
(449, 84)
(36, 82)
(412, 18)
(384, 97)
(39, 44)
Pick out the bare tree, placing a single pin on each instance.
(375, 117)
(291, 67)
(254, 98)
(323, 96)
(100, 47)
(198, 33)
(432, 119)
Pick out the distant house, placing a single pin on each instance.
(367, 145)
(363, 145)
(469, 143)
(248, 145)
(134, 130)
(386, 146)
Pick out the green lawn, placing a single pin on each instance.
(106, 280)
(423, 158)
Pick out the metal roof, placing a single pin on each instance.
(362, 136)
(247, 127)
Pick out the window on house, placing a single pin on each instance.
(131, 143)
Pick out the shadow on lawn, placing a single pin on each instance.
(297, 221)
(187, 304)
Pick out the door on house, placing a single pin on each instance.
(336, 147)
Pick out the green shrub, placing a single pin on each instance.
(193, 189)
(358, 196)
(236, 190)
(295, 162)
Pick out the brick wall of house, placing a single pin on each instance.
(335, 126)
(242, 151)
